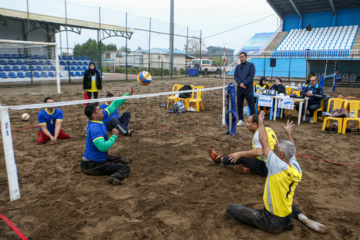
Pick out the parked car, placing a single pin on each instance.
(207, 65)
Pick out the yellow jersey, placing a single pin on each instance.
(272, 139)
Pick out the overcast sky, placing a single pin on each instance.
(209, 16)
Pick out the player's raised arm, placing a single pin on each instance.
(289, 129)
(262, 134)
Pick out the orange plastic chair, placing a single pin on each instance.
(198, 100)
(337, 103)
(186, 100)
(354, 105)
(176, 87)
(321, 109)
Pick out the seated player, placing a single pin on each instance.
(50, 120)
(96, 160)
(114, 121)
(315, 93)
(284, 174)
(253, 160)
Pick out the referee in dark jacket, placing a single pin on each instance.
(244, 76)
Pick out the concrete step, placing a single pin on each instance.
(277, 40)
(356, 44)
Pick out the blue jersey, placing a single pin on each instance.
(115, 114)
(49, 119)
(96, 130)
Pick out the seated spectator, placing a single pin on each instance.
(308, 28)
(315, 92)
(50, 120)
(279, 88)
(262, 85)
(114, 120)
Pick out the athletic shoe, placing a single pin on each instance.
(214, 156)
(125, 161)
(113, 181)
(130, 132)
(311, 120)
(240, 123)
(307, 118)
(241, 169)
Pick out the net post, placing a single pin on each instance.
(11, 169)
(57, 69)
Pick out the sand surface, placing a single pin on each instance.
(174, 190)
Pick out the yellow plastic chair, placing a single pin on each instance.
(254, 83)
(270, 85)
(336, 103)
(290, 90)
(186, 100)
(354, 105)
(176, 87)
(198, 99)
(321, 109)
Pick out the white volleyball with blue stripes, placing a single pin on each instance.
(144, 78)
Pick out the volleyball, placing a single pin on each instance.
(25, 117)
(144, 78)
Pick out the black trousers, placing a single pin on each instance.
(262, 219)
(121, 124)
(249, 95)
(109, 167)
(311, 107)
(257, 166)
(95, 94)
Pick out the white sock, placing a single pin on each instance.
(318, 227)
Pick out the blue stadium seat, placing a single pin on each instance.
(79, 62)
(76, 58)
(14, 56)
(24, 68)
(31, 56)
(52, 68)
(64, 57)
(78, 68)
(66, 68)
(82, 73)
(86, 63)
(73, 63)
(1, 56)
(34, 62)
(62, 63)
(19, 62)
(22, 56)
(46, 68)
(20, 75)
(37, 56)
(38, 68)
(15, 68)
(3, 75)
(86, 58)
(28, 74)
(12, 75)
(41, 62)
(1, 69)
(52, 74)
(71, 58)
(27, 62)
(7, 68)
(32, 68)
(44, 74)
(78, 74)
(73, 68)
(11, 62)
(81, 58)
(3, 62)
(84, 68)
(44, 57)
(48, 62)
(36, 74)
(72, 74)
(7, 56)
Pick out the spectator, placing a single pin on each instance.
(261, 85)
(279, 88)
(308, 28)
(92, 82)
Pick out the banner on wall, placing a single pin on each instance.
(265, 101)
(286, 103)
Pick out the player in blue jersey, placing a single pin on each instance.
(50, 120)
(114, 121)
(96, 160)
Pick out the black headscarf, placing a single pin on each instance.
(92, 71)
(262, 79)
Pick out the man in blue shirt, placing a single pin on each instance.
(96, 160)
(315, 93)
(114, 121)
(244, 76)
(50, 121)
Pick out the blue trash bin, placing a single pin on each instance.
(193, 71)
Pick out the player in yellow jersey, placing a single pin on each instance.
(249, 161)
(284, 173)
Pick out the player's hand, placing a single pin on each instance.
(300, 89)
(261, 117)
(234, 156)
(115, 132)
(130, 90)
(309, 94)
(52, 139)
(289, 127)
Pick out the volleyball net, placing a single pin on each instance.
(31, 166)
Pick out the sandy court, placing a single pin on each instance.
(174, 190)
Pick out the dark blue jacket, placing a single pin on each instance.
(317, 92)
(244, 73)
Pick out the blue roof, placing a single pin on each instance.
(168, 51)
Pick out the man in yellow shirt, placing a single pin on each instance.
(284, 173)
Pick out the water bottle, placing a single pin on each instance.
(352, 114)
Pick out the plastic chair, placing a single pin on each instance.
(198, 100)
(20, 75)
(186, 100)
(254, 83)
(337, 103)
(354, 106)
(176, 87)
(321, 109)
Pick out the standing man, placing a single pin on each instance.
(50, 120)
(244, 76)
(96, 160)
(315, 93)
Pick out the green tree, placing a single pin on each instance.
(123, 49)
(193, 47)
(219, 60)
(90, 49)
